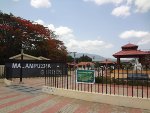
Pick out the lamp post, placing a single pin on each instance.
(74, 55)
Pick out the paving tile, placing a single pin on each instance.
(28, 98)
(31, 105)
(21, 104)
(58, 106)
(44, 106)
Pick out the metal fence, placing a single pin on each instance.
(110, 80)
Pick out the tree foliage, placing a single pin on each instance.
(37, 40)
(70, 58)
(84, 59)
(146, 60)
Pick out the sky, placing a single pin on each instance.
(89, 26)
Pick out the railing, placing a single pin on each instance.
(108, 80)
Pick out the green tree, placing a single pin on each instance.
(37, 40)
(146, 61)
(70, 58)
(84, 59)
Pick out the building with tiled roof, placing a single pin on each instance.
(107, 62)
(85, 65)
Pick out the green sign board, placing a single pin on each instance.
(85, 76)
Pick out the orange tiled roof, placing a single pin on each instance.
(129, 45)
(107, 62)
(131, 53)
(85, 63)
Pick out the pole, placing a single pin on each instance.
(21, 73)
(74, 53)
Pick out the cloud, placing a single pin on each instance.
(142, 5)
(63, 30)
(39, 21)
(125, 7)
(88, 46)
(121, 11)
(129, 2)
(65, 34)
(101, 2)
(40, 3)
(73, 43)
(141, 37)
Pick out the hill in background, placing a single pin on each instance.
(93, 56)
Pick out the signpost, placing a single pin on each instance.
(85, 76)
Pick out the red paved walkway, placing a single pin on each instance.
(29, 99)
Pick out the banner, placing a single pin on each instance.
(85, 76)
